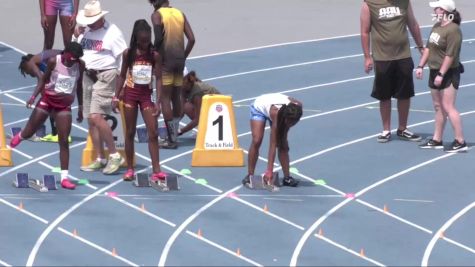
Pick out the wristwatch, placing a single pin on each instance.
(440, 74)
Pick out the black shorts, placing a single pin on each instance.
(393, 79)
(451, 77)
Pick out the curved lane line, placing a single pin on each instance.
(308, 233)
(435, 238)
(181, 228)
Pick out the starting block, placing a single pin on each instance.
(257, 182)
(49, 181)
(143, 180)
(41, 132)
(15, 130)
(142, 135)
(23, 181)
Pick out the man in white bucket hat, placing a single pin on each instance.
(103, 44)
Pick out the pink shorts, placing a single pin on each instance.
(63, 7)
(55, 103)
(134, 97)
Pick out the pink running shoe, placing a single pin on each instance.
(67, 184)
(159, 176)
(129, 175)
(16, 140)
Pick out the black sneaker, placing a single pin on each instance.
(383, 138)
(457, 147)
(290, 181)
(431, 143)
(408, 136)
(247, 181)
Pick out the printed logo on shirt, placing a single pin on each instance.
(89, 44)
(434, 38)
(389, 12)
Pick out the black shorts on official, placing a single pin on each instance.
(451, 77)
(393, 79)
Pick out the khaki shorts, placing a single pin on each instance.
(172, 78)
(97, 97)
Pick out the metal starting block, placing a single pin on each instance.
(143, 180)
(142, 135)
(23, 181)
(257, 182)
(49, 181)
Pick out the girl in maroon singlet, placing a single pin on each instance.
(139, 63)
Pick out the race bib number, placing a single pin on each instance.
(142, 74)
(65, 84)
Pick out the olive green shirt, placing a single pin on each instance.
(389, 37)
(200, 89)
(444, 41)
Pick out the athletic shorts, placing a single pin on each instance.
(97, 97)
(172, 78)
(451, 77)
(393, 79)
(56, 103)
(134, 97)
(63, 7)
(256, 115)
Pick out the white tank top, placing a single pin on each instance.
(63, 80)
(264, 103)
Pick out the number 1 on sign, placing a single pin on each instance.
(219, 121)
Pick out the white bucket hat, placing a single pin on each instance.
(91, 13)
(447, 5)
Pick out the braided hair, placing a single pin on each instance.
(140, 25)
(287, 116)
(23, 62)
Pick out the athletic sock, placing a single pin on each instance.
(64, 174)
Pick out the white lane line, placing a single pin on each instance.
(388, 213)
(60, 218)
(181, 228)
(364, 257)
(436, 236)
(275, 45)
(308, 233)
(359, 140)
(458, 244)
(16, 89)
(5, 264)
(233, 253)
(410, 110)
(15, 122)
(260, 209)
(281, 67)
(144, 211)
(23, 210)
(284, 199)
(96, 246)
(414, 200)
